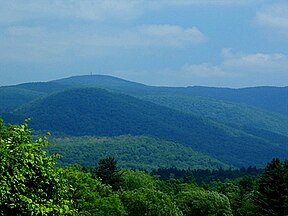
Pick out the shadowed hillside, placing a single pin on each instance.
(98, 112)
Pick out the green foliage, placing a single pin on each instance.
(134, 180)
(13, 97)
(232, 191)
(29, 182)
(203, 203)
(234, 114)
(248, 207)
(205, 176)
(272, 197)
(131, 152)
(149, 203)
(90, 196)
(108, 172)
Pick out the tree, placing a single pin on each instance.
(273, 189)
(203, 203)
(108, 172)
(133, 180)
(30, 184)
(90, 196)
(147, 202)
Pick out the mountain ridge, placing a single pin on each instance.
(274, 99)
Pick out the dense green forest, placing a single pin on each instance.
(32, 184)
(237, 115)
(132, 152)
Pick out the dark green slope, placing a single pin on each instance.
(273, 99)
(98, 112)
(43, 87)
(133, 152)
(240, 116)
(13, 97)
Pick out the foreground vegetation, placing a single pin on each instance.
(31, 184)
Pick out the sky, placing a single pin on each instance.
(220, 43)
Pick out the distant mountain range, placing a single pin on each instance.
(239, 127)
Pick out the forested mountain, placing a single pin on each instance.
(273, 99)
(235, 126)
(237, 115)
(13, 97)
(91, 111)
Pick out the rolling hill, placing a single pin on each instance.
(239, 127)
(237, 115)
(91, 111)
(132, 152)
(13, 97)
(273, 99)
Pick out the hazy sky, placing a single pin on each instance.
(231, 43)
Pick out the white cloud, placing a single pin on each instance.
(204, 70)
(95, 10)
(171, 35)
(235, 70)
(274, 16)
(21, 10)
(36, 43)
(260, 63)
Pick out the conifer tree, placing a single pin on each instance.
(108, 172)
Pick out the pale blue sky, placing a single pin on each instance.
(229, 43)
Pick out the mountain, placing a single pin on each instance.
(237, 115)
(13, 97)
(132, 152)
(240, 127)
(90, 111)
(273, 99)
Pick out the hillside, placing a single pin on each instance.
(273, 99)
(13, 97)
(132, 152)
(98, 112)
(237, 115)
